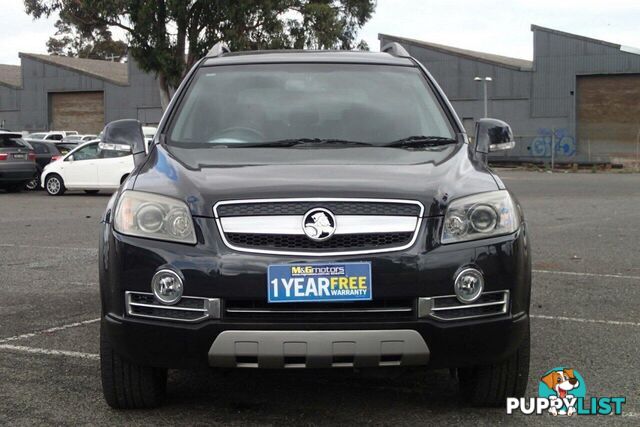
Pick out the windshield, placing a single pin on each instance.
(244, 105)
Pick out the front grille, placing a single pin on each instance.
(382, 309)
(188, 309)
(449, 308)
(300, 208)
(340, 241)
(275, 226)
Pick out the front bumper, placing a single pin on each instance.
(210, 270)
(462, 344)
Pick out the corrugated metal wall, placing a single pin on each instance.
(539, 104)
(559, 59)
(40, 79)
(9, 107)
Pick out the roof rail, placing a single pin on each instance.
(395, 49)
(218, 49)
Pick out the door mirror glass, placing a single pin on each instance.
(493, 135)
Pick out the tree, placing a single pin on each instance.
(96, 43)
(168, 36)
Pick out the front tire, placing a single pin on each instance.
(491, 385)
(126, 385)
(54, 185)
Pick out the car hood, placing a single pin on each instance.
(203, 177)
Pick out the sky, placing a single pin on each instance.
(502, 27)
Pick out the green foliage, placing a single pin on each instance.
(168, 36)
(93, 43)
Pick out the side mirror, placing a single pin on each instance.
(70, 158)
(126, 132)
(493, 135)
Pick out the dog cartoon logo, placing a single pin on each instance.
(319, 224)
(564, 385)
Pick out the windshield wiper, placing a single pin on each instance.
(301, 141)
(421, 141)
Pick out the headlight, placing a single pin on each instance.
(479, 216)
(155, 217)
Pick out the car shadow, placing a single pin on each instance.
(313, 396)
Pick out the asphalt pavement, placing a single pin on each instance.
(585, 231)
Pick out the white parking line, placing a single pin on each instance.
(71, 248)
(575, 319)
(48, 331)
(573, 273)
(34, 350)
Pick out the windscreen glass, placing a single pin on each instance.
(236, 105)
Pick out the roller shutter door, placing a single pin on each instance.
(81, 111)
(608, 113)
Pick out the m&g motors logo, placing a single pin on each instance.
(562, 392)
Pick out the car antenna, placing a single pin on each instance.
(218, 49)
(395, 49)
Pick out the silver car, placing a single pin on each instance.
(17, 161)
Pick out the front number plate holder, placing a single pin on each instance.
(322, 282)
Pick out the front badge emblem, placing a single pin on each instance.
(319, 224)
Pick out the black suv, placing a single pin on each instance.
(304, 209)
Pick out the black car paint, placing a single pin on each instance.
(210, 269)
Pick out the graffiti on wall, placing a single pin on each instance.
(565, 143)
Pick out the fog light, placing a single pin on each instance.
(167, 286)
(468, 285)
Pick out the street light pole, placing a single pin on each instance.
(484, 81)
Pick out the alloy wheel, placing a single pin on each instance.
(53, 185)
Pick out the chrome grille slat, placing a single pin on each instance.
(170, 307)
(188, 309)
(267, 208)
(251, 310)
(364, 310)
(337, 242)
(448, 308)
(461, 307)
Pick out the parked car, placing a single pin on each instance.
(313, 210)
(17, 161)
(50, 136)
(45, 153)
(78, 139)
(93, 166)
(65, 147)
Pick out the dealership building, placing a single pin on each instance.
(62, 93)
(579, 93)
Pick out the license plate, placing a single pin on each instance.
(20, 156)
(332, 282)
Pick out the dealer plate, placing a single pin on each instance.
(329, 282)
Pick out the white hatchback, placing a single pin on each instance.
(91, 167)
